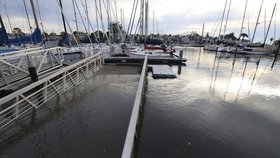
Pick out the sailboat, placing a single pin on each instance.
(34, 38)
(262, 49)
(4, 40)
(150, 47)
(214, 46)
(224, 47)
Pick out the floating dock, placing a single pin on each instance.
(162, 71)
(140, 60)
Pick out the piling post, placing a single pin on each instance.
(34, 77)
(276, 53)
(181, 54)
(32, 71)
(179, 69)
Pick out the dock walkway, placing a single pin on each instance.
(91, 120)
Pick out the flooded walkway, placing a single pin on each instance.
(89, 121)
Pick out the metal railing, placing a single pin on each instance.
(134, 119)
(20, 51)
(33, 96)
(14, 66)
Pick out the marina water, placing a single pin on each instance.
(220, 105)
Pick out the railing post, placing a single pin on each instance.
(64, 81)
(45, 92)
(77, 75)
(87, 72)
(94, 65)
(3, 76)
(17, 108)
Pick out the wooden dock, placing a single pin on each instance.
(162, 71)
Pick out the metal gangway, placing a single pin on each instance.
(14, 65)
(24, 101)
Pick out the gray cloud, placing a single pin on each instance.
(168, 23)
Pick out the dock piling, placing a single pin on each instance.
(181, 54)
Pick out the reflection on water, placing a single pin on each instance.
(222, 105)
(232, 76)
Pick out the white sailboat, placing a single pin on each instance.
(262, 49)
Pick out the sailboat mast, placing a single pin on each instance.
(100, 14)
(30, 29)
(275, 25)
(264, 28)
(142, 4)
(249, 34)
(75, 14)
(123, 21)
(202, 33)
(227, 19)
(153, 22)
(222, 19)
(86, 6)
(146, 19)
(108, 13)
(97, 25)
(257, 22)
(41, 21)
(117, 21)
(244, 14)
(34, 13)
(63, 18)
(269, 24)
(8, 18)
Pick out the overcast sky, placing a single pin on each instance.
(171, 16)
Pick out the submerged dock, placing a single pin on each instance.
(162, 71)
(140, 60)
(27, 96)
(26, 102)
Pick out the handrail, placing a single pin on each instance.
(44, 60)
(131, 131)
(21, 51)
(28, 53)
(31, 97)
(25, 89)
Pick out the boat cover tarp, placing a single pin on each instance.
(34, 38)
(3, 37)
(64, 40)
(154, 41)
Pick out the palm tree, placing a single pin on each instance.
(243, 35)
